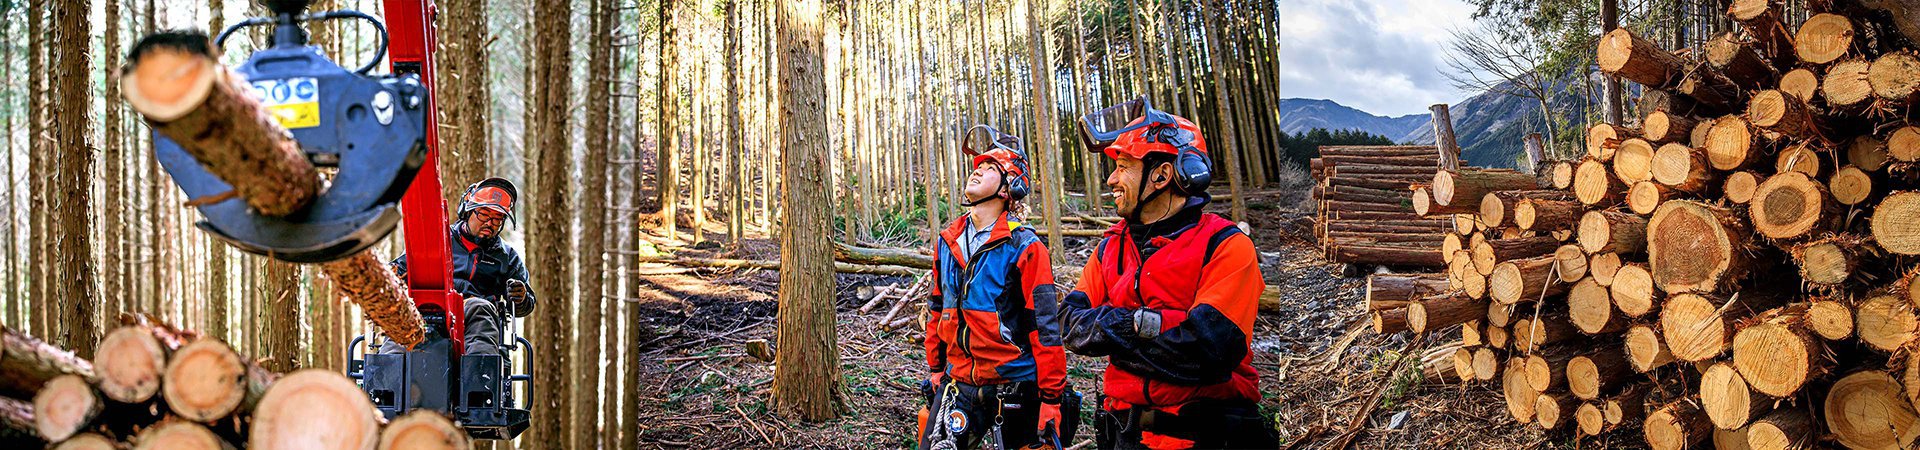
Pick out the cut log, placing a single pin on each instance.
(1500, 208)
(1394, 290)
(1626, 407)
(1492, 252)
(1603, 266)
(1739, 62)
(1677, 425)
(1388, 321)
(881, 256)
(1791, 205)
(1444, 310)
(1450, 244)
(1544, 215)
(1801, 83)
(1645, 350)
(1864, 410)
(1697, 328)
(1832, 261)
(16, 425)
(1531, 334)
(1499, 337)
(1436, 365)
(1547, 370)
(1782, 113)
(1387, 255)
(314, 408)
(1694, 247)
(1554, 411)
(1895, 77)
(1470, 185)
(1739, 187)
(1486, 364)
(1499, 316)
(425, 430)
(1597, 371)
(1727, 400)
(1868, 152)
(1421, 201)
(64, 406)
(1463, 362)
(1524, 279)
(173, 79)
(1466, 224)
(1594, 185)
(1761, 19)
(1588, 420)
(1903, 143)
(1470, 334)
(1623, 54)
(367, 281)
(1473, 284)
(1845, 86)
(131, 358)
(1803, 158)
(1784, 428)
(88, 441)
(207, 380)
(1560, 175)
(1732, 143)
(1823, 38)
(1632, 290)
(1885, 321)
(1662, 126)
(1779, 354)
(1603, 138)
(26, 363)
(1632, 163)
(1850, 186)
(1708, 87)
(1830, 319)
(1603, 231)
(1698, 138)
(178, 435)
(1519, 396)
(1570, 262)
(1377, 151)
(1893, 224)
(1591, 308)
(1682, 168)
(839, 267)
(1646, 196)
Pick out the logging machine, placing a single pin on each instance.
(373, 135)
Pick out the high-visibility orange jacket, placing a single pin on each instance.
(1202, 276)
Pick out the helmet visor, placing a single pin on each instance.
(981, 139)
(1101, 128)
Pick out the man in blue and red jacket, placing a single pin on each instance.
(996, 368)
(1169, 296)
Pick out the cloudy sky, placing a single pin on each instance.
(1381, 56)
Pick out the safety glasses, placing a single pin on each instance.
(1099, 129)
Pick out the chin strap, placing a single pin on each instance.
(997, 194)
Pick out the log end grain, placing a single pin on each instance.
(1830, 319)
(1739, 187)
(1645, 351)
(1846, 84)
(178, 435)
(1865, 410)
(1693, 328)
(129, 362)
(1570, 262)
(1632, 291)
(1695, 247)
(1590, 306)
(169, 74)
(205, 380)
(314, 408)
(1676, 426)
(1800, 83)
(1725, 397)
(1895, 76)
(1904, 144)
(1823, 38)
(1775, 359)
(424, 430)
(1729, 143)
(1850, 185)
(1789, 205)
(1893, 224)
(1885, 322)
(88, 441)
(1867, 151)
(65, 406)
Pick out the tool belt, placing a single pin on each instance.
(1208, 422)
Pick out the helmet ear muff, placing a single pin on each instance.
(1192, 170)
(1017, 186)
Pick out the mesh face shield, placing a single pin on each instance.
(1099, 130)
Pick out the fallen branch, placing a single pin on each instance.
(757, 264)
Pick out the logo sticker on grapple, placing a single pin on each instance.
(294, 102)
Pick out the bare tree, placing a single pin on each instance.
(1484, 60)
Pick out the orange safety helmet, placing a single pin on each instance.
(496, 194)
(985, 143)
(1135, 129)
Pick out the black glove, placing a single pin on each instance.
(516, 292)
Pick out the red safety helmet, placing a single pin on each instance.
(1135, 129)
(985, 144)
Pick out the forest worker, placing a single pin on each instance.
(996, 370)
(1169, 296)
(486, 270)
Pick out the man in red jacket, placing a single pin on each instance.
(996, 372)
(1169, 297)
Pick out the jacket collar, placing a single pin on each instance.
(1002, 229)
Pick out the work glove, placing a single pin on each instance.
(1146, 323)
(1050, 422)
(516, 292)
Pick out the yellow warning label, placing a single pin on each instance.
(297, 115)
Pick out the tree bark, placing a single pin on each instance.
(72, 205)
(26, 363)
(551, 222)
(1443, 310)
(806, 378)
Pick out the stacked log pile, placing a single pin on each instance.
(153, 386)
(1364, 216)
(1736, 269)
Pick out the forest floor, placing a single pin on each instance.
(1318, 359)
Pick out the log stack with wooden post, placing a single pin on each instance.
(1768, 245)
(161, 387)
(1364, 216)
